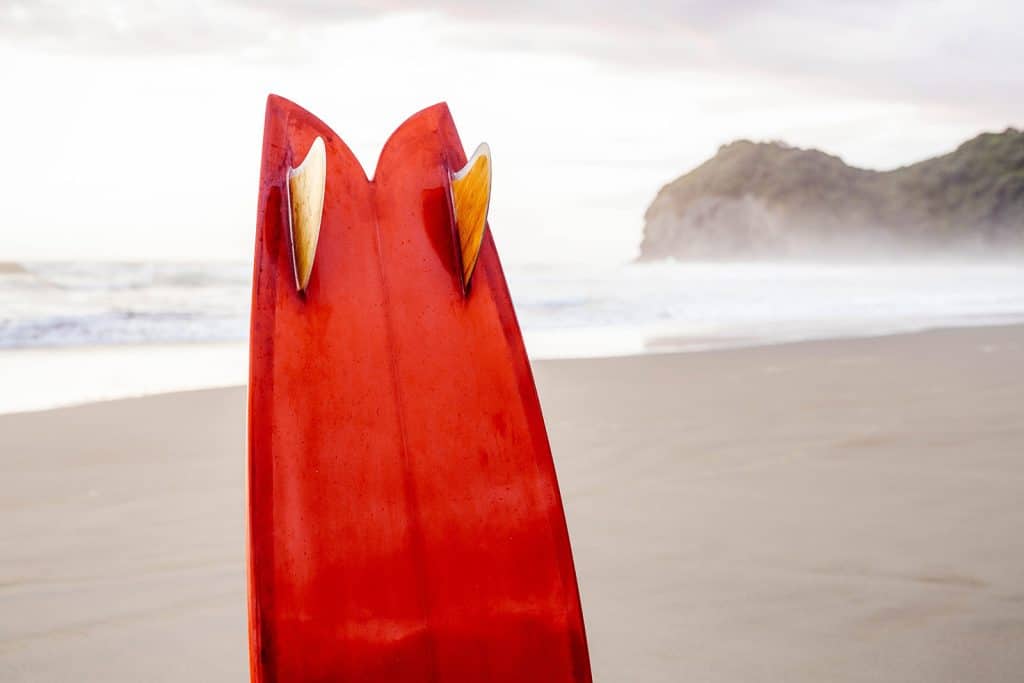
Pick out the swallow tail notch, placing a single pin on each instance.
(471, 198)
(306, 185)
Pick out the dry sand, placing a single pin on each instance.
(828, 511)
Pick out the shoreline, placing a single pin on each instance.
(826, 510)
(657, 346)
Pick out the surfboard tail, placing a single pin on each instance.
(405, 522)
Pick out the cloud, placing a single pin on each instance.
(948, 52)
(127, 28)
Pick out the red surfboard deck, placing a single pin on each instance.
(405, 522)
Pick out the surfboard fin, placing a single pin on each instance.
(306, 184)
(471, 198)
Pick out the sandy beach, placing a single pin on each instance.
(824, 511)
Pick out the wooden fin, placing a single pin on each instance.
(306, 184)
(471, 198)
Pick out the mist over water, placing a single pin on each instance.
(85, 331)
(668, 306)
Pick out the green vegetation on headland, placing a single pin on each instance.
(762, 200)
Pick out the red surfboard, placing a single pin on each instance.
(404, 519)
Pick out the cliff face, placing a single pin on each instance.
(760, 200)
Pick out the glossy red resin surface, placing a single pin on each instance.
(404, 517)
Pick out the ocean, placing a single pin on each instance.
(85, 331)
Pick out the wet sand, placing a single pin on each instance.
(825, 511)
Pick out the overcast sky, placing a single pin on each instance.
(132, 130)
